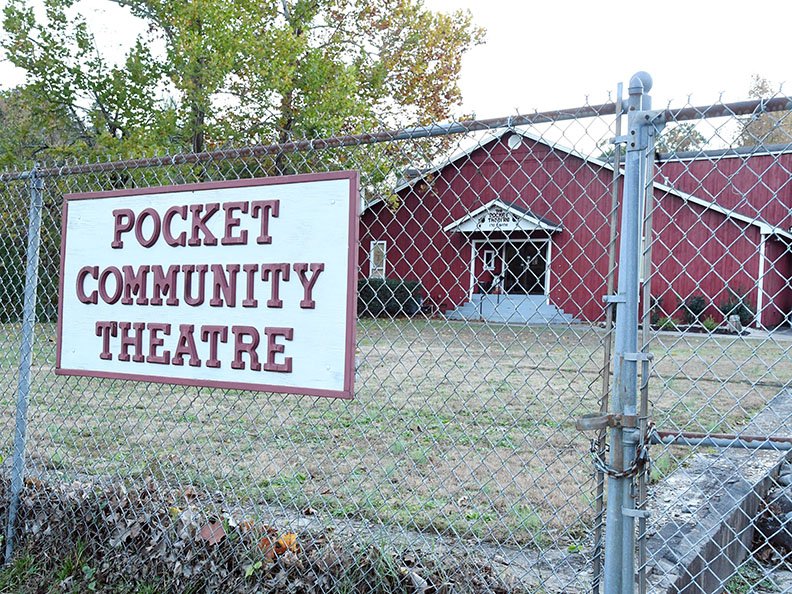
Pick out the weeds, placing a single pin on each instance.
(21, 570)
(749, 577)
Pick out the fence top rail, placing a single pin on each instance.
(434, 130)
(719, 110)
(417, 132)
(737, 151)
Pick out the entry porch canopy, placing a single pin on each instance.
(504, 217)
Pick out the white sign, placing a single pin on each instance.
(248, 284)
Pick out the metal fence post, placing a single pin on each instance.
(25, 357)
(624, 436)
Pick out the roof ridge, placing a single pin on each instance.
(738, 151)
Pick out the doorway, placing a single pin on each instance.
(526, 267)
(511, 267)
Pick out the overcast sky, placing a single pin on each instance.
(552, 54)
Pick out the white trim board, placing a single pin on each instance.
(476, 221)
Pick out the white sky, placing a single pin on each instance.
(553, 54)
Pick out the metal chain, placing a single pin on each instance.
(642, 462)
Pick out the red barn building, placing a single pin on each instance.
(516, 229)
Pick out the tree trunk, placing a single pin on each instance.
(197, 118)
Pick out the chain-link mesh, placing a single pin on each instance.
(717, 299)
(484, 256)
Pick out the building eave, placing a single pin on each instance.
(540, 223)
(764, 227)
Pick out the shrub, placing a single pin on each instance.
(666, 323)
(388, 297)
(655, 310)
(710, 325)
(693, 308)
(13, 263)
(736, 304)
(12, 278)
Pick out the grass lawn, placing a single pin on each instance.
(461, 427)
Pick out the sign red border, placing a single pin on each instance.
(354, 213)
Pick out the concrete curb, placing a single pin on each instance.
(729, 545)
(712, 505)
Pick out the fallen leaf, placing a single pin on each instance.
(33, 482)
(420, 585)
(265, 546)
(287, 542)
(213, 532)
(189, 493)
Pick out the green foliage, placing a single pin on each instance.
(12, 275)
(14, 575)
(663, 466)
(709, 323)
(693, 308)
(27, 131)
(391, 297)
(82, 102)
(244, 71)
(655, 310)
(749, 577)
(13, 262)
(676, 138)
(737, 304)
(666, 323)
(377, 572)
(765, 128)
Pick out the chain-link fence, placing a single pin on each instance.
(488, 257)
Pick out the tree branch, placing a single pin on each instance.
(144, 9)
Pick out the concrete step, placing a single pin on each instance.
(515, 309)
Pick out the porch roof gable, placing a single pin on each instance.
(498, 215)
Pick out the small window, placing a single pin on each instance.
(377, 259)
(489, 259)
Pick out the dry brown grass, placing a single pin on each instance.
(455, 427)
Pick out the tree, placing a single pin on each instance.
(244, 71)
(674, 138)
(68, 76)
(27, 131)
(765, 128)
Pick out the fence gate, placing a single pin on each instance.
(572, 371)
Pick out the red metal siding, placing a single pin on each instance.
(755, 186)
(699, 252)
(418, 248)
(777, 306)
(561, 188)
(696, 250)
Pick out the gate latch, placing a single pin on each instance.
(598, 422)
